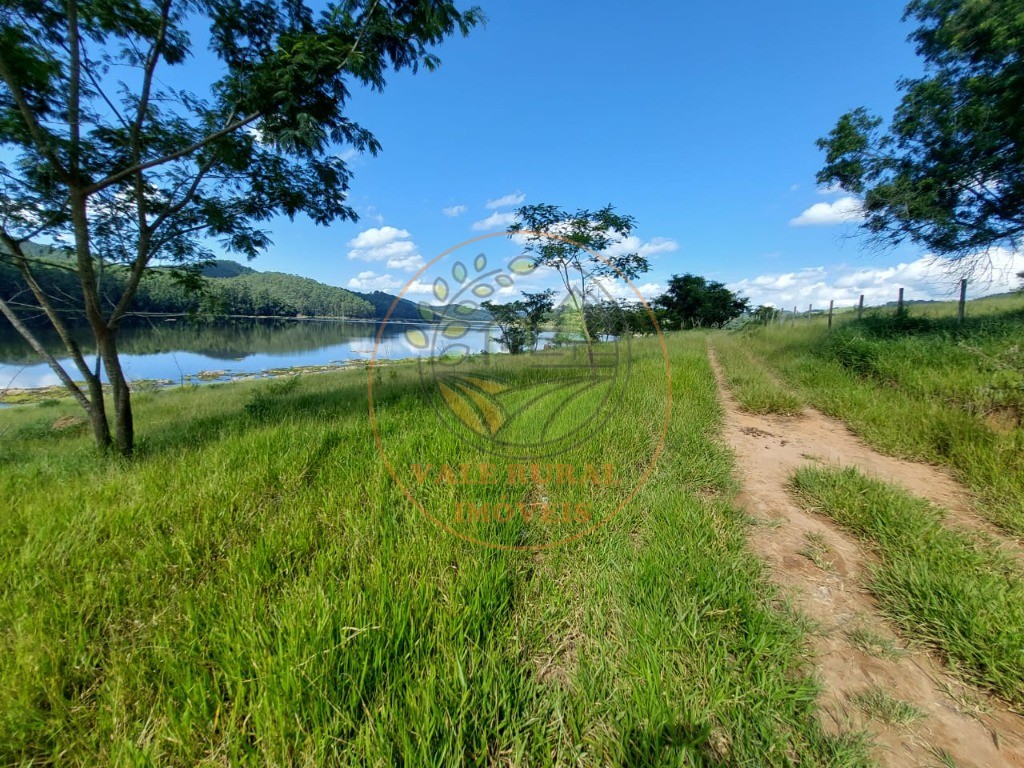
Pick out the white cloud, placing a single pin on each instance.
(504, 202)
(619, 289)
(388, 244)
(348, 154)
(926, 278)
(633, 244)
(369, 281)
(454, 210)
(831, 189)
(494, 221)
(840, 211)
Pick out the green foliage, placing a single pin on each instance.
(942, 394)
(287, 605)
(756, 390)
(246, 293)
(103, 154)
(941, 584)
(695, 302)
(575, 245)
(519, 321)
(946, 172)
(225, 268)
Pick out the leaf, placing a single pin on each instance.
(416, 338)
(522, 265)
(440, 289)
(455, 330)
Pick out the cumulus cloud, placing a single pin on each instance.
(926, 278)
(454, 210)
(369, 281)
(494, 221)
(840, 211)
(619, 289)
(516, 198)
(633, 244)
(391, 245)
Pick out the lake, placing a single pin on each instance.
(182, 350)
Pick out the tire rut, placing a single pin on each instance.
(823, 569)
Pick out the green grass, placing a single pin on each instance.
(817, 551)
(877, 704)
(920, 388)
(253, 588)
(874, 644)
(942, 585)
(755, 390)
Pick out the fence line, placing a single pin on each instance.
(901, 306)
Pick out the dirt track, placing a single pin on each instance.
(971, 727)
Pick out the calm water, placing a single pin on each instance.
(155, 349)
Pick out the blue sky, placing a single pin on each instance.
(698, 119)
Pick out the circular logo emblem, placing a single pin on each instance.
(522, 373)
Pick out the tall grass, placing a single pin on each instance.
(255, 589)
(756, 390)
(921, 388)
(941, 585)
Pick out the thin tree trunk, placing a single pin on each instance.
(124, 425)
(93, 405)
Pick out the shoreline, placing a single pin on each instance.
(15, 396)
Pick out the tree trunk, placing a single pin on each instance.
(124, 425)
(92, 404)
(97, 411)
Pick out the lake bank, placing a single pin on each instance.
(184, 352)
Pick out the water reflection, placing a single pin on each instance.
(156, 349)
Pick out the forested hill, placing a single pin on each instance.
(228, 288)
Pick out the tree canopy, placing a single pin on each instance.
(947, 172)
(694, 302)
(578, 246)
(105, 154)
(518, 322)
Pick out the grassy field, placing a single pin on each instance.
(755, 389)
(254, 588)
(918, 387)
(943, 586)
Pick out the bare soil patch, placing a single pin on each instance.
(865, 667)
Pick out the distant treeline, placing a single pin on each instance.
(240, 291)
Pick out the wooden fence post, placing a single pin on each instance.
(899, 303)
(963, 303)
(860, 307)
(830, 303)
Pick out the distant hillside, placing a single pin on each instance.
(229, 288)
(404, 310)
(226, 268)
(247, 292)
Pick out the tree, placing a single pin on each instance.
(693, 302)
(536, 308)
(519, 321)
(104, 154)
(948, 171)
(567, 242)
(765, 314)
